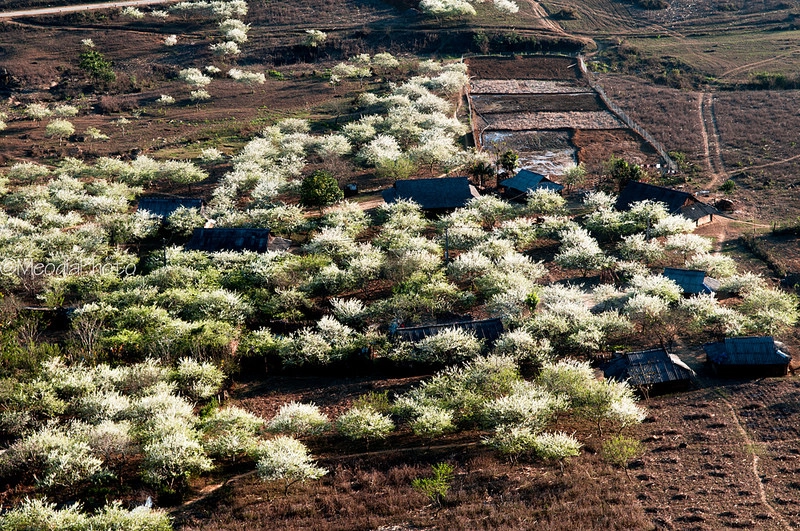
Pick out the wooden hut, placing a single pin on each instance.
(653, 371)
(747, 357)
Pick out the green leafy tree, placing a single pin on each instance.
(95, 64)
(320, 189)
(621, 172)
(509, 160)
(574, 176)
(483, 170)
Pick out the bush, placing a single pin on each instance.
(619, 450)
(436, 487)
(230, 432)
(556, 446)
(287, 459)
(432, 421)
(171, 458)
(40, 515)
(451, 345)
(299, 419)
(57, 458)
(364, 423)
(320, 189)
(199, 380)
(512, 441)
(728, 186)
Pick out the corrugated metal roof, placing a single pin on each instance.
(526, 180)
(488, 329)
(698, 210)
(229, 239)
(692, 280)
(433, 194)
(677, 202)
(746, 351)
(165, 206)
(648, 367)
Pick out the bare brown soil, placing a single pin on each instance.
(544, 68)
(509, 104)
(597, 146)
(670, 115)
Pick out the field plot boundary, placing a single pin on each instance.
(497, 88)
(622, 115)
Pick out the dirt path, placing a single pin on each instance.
(766, 165)
(711, 140)
(754, 447)
(83, 7)
(755, 64)
(544, 19)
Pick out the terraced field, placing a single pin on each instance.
(549, 114)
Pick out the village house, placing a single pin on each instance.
(229, 239)
(652, 372)
(692, 281)
(677, 202)
(434, 196)
(747, 357)
(164, 207)
(517, 188)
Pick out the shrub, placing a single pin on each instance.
(436, 487)
(314, 38)
(230, 432)
(60, 129)
(226, 48)
(194, 77)
(55, 456)
(184, 220)
(287, 459)
(619, 450)
(526, 406)
(523, 347)
(172, 457)
(715, 265)
(728, 186)
(350, 312)
(636, 247)
(364, 423)
(432, 421)
(556, 446)
(512, 441)
(320, 189)
(200, 380)
(449, 346)
(299, 419)
(40, 515)
(544, 201)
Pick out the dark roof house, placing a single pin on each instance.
(163, 207)
(486, 329)
(652, 371)
(229, 239)
(517, 187)
(747, 356)
(677, 202)
(438, 194)
(692, 281)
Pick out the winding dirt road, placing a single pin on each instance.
(72, 9)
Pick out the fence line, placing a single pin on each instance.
(627, 120)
